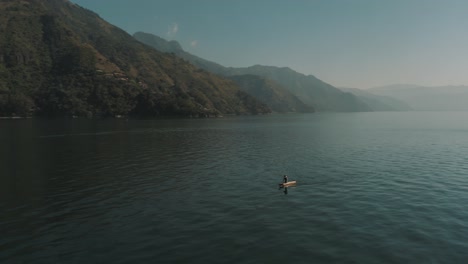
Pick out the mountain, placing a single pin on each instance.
(57, 58)
(163, 45)
(307, 88)
(378, 102)
(422, 98)
(271, 93)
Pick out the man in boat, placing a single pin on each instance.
(285, 178)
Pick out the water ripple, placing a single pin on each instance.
(380, 191)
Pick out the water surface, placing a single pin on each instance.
(372, 188)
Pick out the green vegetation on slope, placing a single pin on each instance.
(57, 58)
(307, 88)
(274, 95)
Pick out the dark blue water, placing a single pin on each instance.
(372, 188)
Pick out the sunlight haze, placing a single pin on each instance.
(358, 43)
(233, 131)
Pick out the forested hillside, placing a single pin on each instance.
(307, 88)
(57, 58)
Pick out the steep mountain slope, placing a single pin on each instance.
(57, 58)
(269, 92)
(274, 95)
(378, 102)
(421, 98)
(308, 89)
(174, 47)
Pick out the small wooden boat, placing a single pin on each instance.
(287, 184)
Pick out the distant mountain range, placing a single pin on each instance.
(57, 58)
(307, 88)
(379, 102)
(285, 85)
(422, 98)
(274, 95)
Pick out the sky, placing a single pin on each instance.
(347, 43)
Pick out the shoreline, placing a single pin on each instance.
(15, 117)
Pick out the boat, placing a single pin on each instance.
(287, 184)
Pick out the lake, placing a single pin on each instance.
(372, 188)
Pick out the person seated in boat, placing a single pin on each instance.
(285, 178)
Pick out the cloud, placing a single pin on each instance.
(172, 30)
(194, 43)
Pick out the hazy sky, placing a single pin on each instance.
(347, 43)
